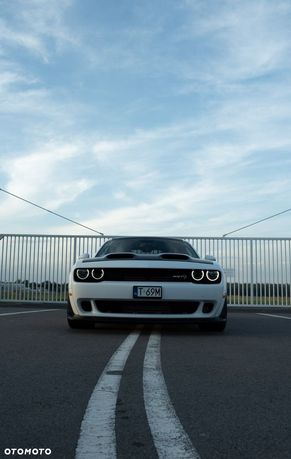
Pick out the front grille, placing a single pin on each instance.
(102, 273)
(147, 307)
(147, 275)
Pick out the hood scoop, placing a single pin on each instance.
(174, 256)
(120, 256)
(160, 256)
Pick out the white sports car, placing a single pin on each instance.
(147, 279)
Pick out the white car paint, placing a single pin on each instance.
(93, 294)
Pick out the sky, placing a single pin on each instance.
(159, 117)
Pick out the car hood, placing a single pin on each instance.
(129, 260)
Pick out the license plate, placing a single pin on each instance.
(147, 292)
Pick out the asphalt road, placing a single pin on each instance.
(144, 392)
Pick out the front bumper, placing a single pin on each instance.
(114, 302)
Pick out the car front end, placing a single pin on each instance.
(132, 287)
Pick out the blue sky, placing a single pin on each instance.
(157, 117)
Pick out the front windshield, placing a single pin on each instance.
(147, 246)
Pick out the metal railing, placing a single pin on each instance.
(35, 267)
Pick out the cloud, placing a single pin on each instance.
(33, 35)
(193, 185)
(37, 22)
(41, 177)
(173, 123)
(238, 41)
(23, 40)
(8, 77)
(178, 210)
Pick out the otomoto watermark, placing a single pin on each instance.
(27, 452)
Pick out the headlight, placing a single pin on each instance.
(212, 276)
(82, 273)
(97, 274)
(197, 275)
(205, 277)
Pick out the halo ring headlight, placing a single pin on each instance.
(212, 276)
(98, 273)
(82, 273)
(197, 275)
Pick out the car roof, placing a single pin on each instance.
(168, 238)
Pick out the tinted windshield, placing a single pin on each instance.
(147, 246)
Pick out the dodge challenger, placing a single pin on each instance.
(147, 279)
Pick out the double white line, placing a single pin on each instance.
(97, 438)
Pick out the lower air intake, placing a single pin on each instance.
(146, 307)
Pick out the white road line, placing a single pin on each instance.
(170, 439)
(97, 438)
(273, 315)
(28, 312)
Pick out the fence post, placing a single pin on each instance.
(75, 250)
(252, 270)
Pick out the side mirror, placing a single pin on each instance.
(210, 258)
(83, 256)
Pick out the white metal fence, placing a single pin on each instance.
(35, 267)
